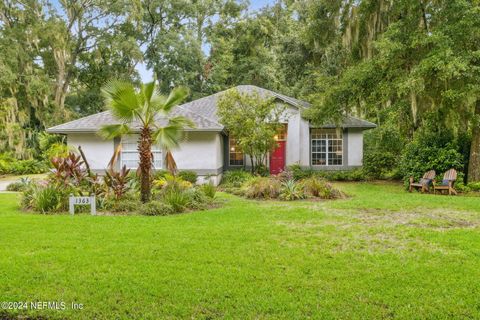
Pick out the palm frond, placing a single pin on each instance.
(114, 130)
(147, 91)
(176, 96)
(181, 122)
(168, 137)
(121, 98)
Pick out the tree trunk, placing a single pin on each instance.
(474, 159)
(145, 152)
(60, 83)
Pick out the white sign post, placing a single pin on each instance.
(82, 201)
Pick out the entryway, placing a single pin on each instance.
(277, 157)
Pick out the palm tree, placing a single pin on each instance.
(144, 106)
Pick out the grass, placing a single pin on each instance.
(383, 253)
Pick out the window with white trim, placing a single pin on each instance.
(235, 154)
(130, 157)
(327, 147)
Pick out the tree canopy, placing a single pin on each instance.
(406, 65)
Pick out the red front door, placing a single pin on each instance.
(277, 158)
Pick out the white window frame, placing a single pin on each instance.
(130, 146)
(235, 151)
(327, 135)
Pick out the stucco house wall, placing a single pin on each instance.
(97, 151)
(201, 152)
(355, 147)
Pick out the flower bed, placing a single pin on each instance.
(116, 191)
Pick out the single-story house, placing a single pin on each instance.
(209, 150)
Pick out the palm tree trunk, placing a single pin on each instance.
(145, 152)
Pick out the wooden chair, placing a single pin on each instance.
(447, 183)
(424, 183)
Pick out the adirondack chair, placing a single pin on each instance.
(424, 183)
(447, 183)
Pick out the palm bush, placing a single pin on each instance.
(144, 106)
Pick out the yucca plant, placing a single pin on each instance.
(144, 106)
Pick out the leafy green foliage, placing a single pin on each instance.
(299, 173)
(156, 208)
(10, 165)
(125, 205)
(16, 186)
(235, 178)
(177, 199)
(45, 198)
(187, 175)
(252, 121)
(208, 189)
(430, 150)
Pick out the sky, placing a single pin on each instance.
(147, 75)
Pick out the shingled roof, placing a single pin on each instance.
(203, 113)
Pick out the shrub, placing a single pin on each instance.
(69, 170)
(123, 205)
(16, 186)
(159, 174)
(262, 188)
(417, 160)
(49, 199)
(236, 178)
(117, 182)
(379, 165)
(45, 198)
(30, 166)
(291, 190)
(197, 199)
(156, 208)
(187, 175)
(177, 199)
(10, 165)
(170, 182)
(298, 173)
(474, 186)
(320, 188)
(208, 189)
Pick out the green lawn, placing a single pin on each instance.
(383, 253)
